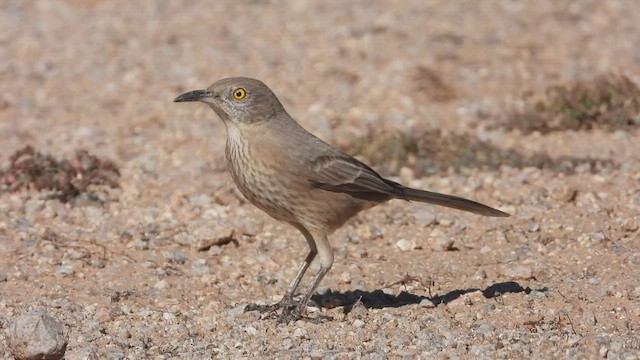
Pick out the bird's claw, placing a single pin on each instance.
(286, 304)
(291, 311)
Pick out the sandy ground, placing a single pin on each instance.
(559, 279)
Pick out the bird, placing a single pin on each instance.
(299, 179)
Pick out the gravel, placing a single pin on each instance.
(163, 266)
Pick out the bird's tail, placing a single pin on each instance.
(449, 201)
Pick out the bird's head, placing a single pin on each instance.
(237, 100)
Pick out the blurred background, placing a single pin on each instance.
(141, 245)
(102, 74)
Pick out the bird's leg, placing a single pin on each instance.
(287, 300)
(326, 260)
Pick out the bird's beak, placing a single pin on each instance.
(196, 95)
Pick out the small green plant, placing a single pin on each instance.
(432, 151)
(608, 102)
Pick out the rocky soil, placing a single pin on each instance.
(161, 265)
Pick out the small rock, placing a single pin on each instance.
(426, 303)
(81, 353)
(594, 281)
(353, 238)
(98, 264)
(537, 294)
(140, 245)
(64, 270)
(184, 239)
(589, 318)
(86, 200)
(533, 227)
(199, 267)
(37, 336)
(358, 323)
(480, 274)
(486, 330)
(439, 241)
(162, 284)
(179, 257)
(405, 245)
(468, 299)
(520, 272)
(300, 333)
(33, 205)
(630, 225)
(345, 277)
(423, 216)
(287, 344)
(77, 254)
(215, 250)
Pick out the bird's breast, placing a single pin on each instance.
(261, 176)
(273, 177)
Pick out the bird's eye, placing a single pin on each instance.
(239, 93)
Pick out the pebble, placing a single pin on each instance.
(251, 330)
(64, 270)
(300, 333)
(345, 277)
(533, 227)
(37, 336)
(594, 281)
(630, 225)
(589, 318)
(140, 245)
(287, 344)
(81, 353)
(537, 294)
(98, 264)
(77, 254)
(215, 250)
(405, 245)
(519, 272)
(426, 303)
(486, 330)
(439, 241)
(480, 274)
(179, 256)
(199, 267)
(184, 239)
(33, 205)
(422, 215)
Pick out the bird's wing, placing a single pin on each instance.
(348, 175)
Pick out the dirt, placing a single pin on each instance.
(162, 265)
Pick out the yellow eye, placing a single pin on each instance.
(239, 93)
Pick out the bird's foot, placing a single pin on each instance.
(294, 314)
(287, 304)
(290, 312)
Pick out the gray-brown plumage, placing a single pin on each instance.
(297, 178)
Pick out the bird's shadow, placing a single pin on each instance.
(378, 299)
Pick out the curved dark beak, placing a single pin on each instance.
(196, 95)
